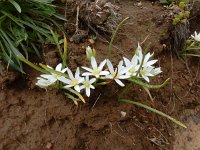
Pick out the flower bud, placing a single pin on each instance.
(90, 52)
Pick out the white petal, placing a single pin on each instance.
(77, 88)
(87, 92)
(93, 63)
(92, 87)
(110, 66)
(88, 69)
(80, 80)
(103, 73)
(67, 86)
(64, 80)
(82, 87)
(46, 76)
(145, 78)
(146, 58)
(134, 60)
(127, 62)
(77, 74)
(102, 65)
(87, 78)
(59, 67)
(124, 77)
(119, 82)
(64, 70)
(70, 74)
(87, 74)
(150, 63)
(92, 80)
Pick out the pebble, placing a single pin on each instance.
(139, 4)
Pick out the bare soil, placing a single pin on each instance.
(35, 119)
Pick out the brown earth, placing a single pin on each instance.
(35, 119)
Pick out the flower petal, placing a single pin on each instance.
(77, 74)
(87, 74)
(59, 67)
(87, 90)
(119, 82)
(110, 66)
(70, 74)
(92, 80)
(88, 69)
(77, 88)
(127, 61)
(103, 73)
(102, 65)
(64, 80)
(93, 63)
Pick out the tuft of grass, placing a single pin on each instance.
(24, 28)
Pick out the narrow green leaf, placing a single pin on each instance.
(32, 65)
(77, 94)
(53, 71)
(154, 110)
(136, 81)
(16, 5)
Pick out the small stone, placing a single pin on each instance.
(123, 114)
(49, 145)
(91, 41)
(139, 4)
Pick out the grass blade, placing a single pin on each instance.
(77, 94)
(136, 81)
(154, 110)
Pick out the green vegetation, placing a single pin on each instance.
(24, 28)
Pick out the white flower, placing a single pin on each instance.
(87, 85)
(96, 70)
(73, 81)
(156, 71)
(118, 73)
(147, 72)
(133, 64)
(196, 36)
(43, 83)
(53, 77)
(146, 62)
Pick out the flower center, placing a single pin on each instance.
(56, 76)
(96, 72)
(143, 72)
(74, 82)
(87, 84)
(132, 70)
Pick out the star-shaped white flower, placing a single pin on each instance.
(73, 81)
(156, 71)
(43, 83)
(52, 77)
(147, 72)
(140, 55)
(87, 85)
(196, 36)
(133, 64)
(118, 73)
(96, 70)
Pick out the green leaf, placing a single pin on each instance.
(139, 82)
(16, 5)
(153, 110)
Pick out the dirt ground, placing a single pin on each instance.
(35, 119)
